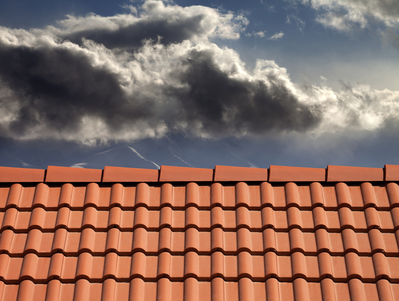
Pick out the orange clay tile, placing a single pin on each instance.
(232, 173)
(296, 174)
(354, 174)
(21, 175)
(123, 174)
(185, 174)
(391, 172)
(71, 174)
(228, 236)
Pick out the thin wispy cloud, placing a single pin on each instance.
(155, 70)
(259, 34)
(300, 24)
(277, 36)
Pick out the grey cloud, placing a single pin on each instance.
(89, 91)
(221, 104)
(58, 87)
(131, 36)
(390, 36)
(384, 10)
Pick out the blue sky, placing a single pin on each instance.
(199, 83)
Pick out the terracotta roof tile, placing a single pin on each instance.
(21, 175)
(354, 174)
(296, 174)
(232, 173)
(195, 237)
(71, 174)
(123, 174)
(185, 174)
(391, 172)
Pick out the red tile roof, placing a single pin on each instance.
(240, 234)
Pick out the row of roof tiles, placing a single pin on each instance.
(202, 267)
(155, 242)
(216, 290)
(383, 197)
(204, 220)
(187, 174)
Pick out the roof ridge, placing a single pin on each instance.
(275, 173)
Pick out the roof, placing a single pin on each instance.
(229, 233)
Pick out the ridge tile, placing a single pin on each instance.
(391, 172)
(354, 174)
(21, 175)
(124, 174)
(185, 174)
(238, 174)
(296, 174)
(72, 174)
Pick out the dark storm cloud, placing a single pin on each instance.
(221, 104)
(58, 87)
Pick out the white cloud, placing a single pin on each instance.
(382, 17)
(343, 15)
(355, 108)
(176, 22)
(277, 36)
(336, 21)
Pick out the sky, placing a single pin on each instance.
(199, 83)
